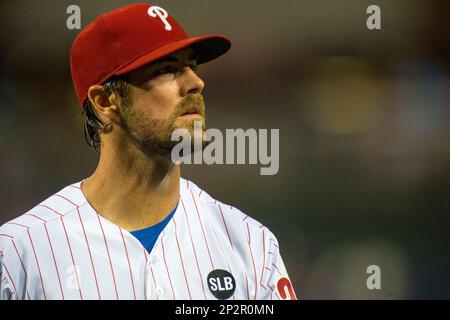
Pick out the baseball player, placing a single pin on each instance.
(135, 229)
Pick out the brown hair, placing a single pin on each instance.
(93, 125)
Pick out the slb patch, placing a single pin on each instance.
(221, 283)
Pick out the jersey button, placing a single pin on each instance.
(152, 261)
(160, 291)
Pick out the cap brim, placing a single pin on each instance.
(207, 48)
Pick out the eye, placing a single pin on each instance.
(165, 70)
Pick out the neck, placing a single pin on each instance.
(133, 190)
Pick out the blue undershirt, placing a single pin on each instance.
(148, 236)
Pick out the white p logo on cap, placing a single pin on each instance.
(155, 11)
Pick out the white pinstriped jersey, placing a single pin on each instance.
(63, 249)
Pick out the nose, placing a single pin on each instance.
(192, 82)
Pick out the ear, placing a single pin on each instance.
(105, 105)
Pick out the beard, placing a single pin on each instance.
(153, 136)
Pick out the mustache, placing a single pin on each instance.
(194, 103)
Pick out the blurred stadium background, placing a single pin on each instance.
(364, 130)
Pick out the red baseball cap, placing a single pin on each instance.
(128, 38)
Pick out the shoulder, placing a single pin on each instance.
(226, 215)
(62, 203)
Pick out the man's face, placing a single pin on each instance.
(166, 96)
